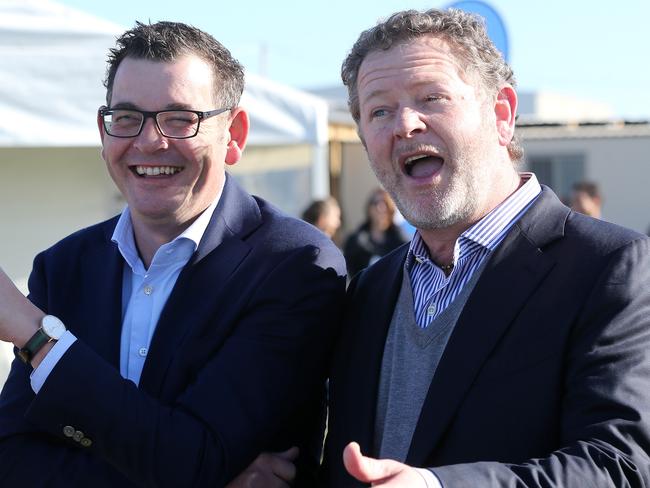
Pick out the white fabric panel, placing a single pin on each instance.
(52, 62)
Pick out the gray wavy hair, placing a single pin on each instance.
(466, 35)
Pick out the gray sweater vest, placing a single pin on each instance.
(411, 356)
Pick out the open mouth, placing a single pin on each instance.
(422, 165)
(145, 171)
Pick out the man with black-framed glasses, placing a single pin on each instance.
(172, 344)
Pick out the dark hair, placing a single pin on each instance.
(466, 35)
(384, 196)
(318, 208)
(589, 187)
(167, 41)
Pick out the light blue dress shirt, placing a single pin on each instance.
(144, 294)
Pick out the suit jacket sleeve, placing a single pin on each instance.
(240, 401)
(605, 424)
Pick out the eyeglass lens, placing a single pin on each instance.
(171, 123)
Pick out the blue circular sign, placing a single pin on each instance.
(495, 26)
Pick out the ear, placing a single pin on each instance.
(505, 110)
(239, 126)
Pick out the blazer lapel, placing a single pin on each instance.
(359, 373)
(103, 302)
(201, 282)
(510, 277)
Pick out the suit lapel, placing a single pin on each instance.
(361, 371)
(510, 277)
(202, 280)
(103, 302)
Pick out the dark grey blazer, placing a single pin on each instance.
(545, 381)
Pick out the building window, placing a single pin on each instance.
(559, 171)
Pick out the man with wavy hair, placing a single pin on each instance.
(509, 343)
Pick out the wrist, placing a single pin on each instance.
(27, 329)
(41, 341)
(40, 355)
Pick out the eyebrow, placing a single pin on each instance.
(373, 94)
(415, 84)
(132, 106)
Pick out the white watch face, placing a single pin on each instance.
(53, 327)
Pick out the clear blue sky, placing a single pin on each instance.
(591, 49)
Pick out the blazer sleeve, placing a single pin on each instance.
(243, 397)
(30, 456)
(605, 424)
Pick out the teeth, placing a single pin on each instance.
(157, 170)
(415, 158)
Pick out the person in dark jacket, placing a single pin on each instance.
(376, 237)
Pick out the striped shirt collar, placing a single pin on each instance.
(488, 232)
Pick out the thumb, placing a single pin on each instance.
(368, 469)
(290, 454)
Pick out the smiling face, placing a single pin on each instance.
(435, 139)
(167, 182)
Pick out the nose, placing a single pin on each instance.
(408, 122)
(150, 138)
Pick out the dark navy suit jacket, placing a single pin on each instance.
(236, 365)
(545, 381)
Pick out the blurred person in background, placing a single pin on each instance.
(325, 215)
(376, 236)
(586, 199)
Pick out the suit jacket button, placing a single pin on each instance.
(85, 442)
(68, 431)
(78, 435)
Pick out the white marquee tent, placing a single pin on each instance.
(52, 61)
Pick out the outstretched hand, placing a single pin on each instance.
(385, 473)
(269, 470)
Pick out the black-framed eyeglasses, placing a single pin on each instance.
(175, 124)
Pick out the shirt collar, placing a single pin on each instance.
(491, 229)
(125, 240)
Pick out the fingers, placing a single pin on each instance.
(269, 470)
(353, 461)
(256, 480)
(369, 470)
(290, 454)
(280, 464)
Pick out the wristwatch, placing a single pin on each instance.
(51, 330)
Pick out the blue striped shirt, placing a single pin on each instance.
(433, 291)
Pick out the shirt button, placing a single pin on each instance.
(148, 290)
(431, 310)
(85, 442)
(77, 436)
(68, 431)
(143, 351)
